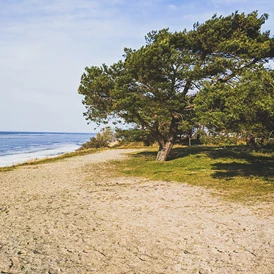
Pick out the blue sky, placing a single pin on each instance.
(46, 44)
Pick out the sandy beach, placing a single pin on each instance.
(71, 216)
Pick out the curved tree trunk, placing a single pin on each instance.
(165, 145)
(164, 152)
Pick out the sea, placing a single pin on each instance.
(19, 147)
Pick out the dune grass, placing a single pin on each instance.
(234, 172)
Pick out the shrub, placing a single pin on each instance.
(134, 135)
(221, 139)
(100, 140)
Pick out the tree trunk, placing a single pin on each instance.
(189, 137)
(189, 141)
(165, 145)
(164, 152)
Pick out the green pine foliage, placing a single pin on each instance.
(155, 87)
(244, 106)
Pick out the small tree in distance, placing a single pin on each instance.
(102, 139)
(154, 87)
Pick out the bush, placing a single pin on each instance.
(100, 140)
(222, 139)
(134, 135)
(264, 145)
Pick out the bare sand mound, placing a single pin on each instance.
(70, 217)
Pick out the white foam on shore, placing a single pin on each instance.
(9, 160)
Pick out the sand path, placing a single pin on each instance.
(70, 217)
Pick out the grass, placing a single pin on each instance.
(50, 159)
(233, 172)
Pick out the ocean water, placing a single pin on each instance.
(19, 147)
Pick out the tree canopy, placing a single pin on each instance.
(154, 87)
(245, 106)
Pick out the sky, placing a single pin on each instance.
(45, 46)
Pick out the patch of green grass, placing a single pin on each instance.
(51, 159)
(233, 172)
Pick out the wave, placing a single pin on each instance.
(24, 156)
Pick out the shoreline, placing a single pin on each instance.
(19, 147)
(24, 157)
(50, 159)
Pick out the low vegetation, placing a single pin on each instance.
(233, 172)
(102, 139)
(236, 173)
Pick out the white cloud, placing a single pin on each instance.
(46, 44)
(172, 7)
(44, 49)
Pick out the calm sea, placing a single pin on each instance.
(18, 147)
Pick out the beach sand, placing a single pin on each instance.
(71, 216)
